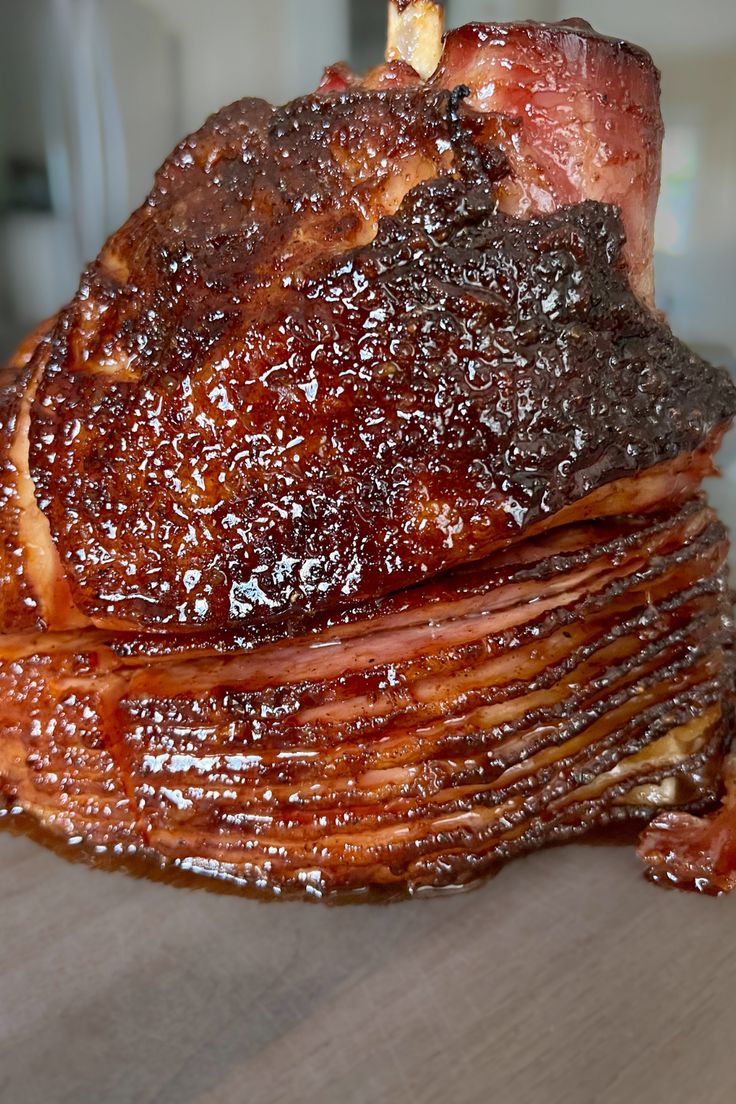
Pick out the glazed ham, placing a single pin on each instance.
(352, 526)
(576, 114)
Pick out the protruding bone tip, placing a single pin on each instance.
(415, 29)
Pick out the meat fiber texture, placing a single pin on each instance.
(352, 528)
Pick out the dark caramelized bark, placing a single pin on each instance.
(571, 680)
(211, 451)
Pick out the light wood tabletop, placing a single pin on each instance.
(566, 979)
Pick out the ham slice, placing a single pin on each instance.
(683, 851)
(221, 444)
(34, 589)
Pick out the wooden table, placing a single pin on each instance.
(567, 979)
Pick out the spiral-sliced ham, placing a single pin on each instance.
(352, 526)
(575, 679)
(683, 851)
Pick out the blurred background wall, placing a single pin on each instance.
(94, 93)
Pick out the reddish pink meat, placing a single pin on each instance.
(591, 127)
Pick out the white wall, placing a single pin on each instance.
(94, 100)
(21, 96)
(696, 282)
(470, 11)
(146, 69)
(275, 49)
(663, 27)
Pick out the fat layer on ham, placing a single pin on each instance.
(352, 524)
